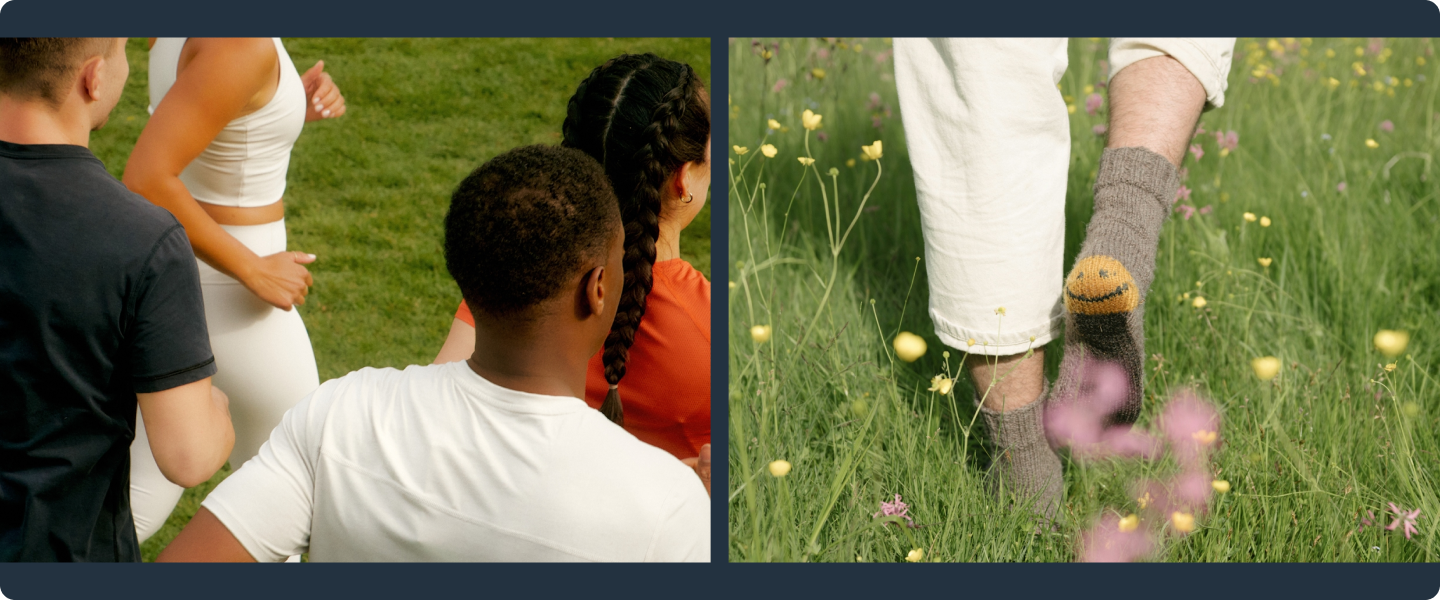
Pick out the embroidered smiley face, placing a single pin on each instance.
(1100, 285)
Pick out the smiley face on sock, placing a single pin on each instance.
(1100, 285)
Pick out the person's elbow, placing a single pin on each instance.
(189, 445)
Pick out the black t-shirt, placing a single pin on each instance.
(99, 300)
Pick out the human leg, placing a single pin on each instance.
(1155, 100)
(988, 137)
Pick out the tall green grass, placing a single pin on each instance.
(1307, 454)
(367, 193)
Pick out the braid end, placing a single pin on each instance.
(611, 407)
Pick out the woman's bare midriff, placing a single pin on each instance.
(256, 215)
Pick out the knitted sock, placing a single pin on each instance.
(1105, 291)
(1025, 465)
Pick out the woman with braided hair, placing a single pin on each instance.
(646, 119)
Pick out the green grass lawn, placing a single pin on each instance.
(367, 193)
(1307, 454)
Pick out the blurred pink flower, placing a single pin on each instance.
(823, 53)
(1364, 521)
(874, 101)
(779, 85)
(1079, 422)
(1104, 542)
(1185, 210)
(1182, 194)
(1199, 130)
(1196, 150)
(1124, 440)
(822, 136)
(1098, 129)
(1193, 490)
(1093, 102)
(1227, 141)
(1407, 518)
(875, 121)
(1205, 210)
(1387, 126)
(1375, 46)
(884, 56)
(1191, 425)
(894, 509)
(1340, 187)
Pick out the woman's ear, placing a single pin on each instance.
(679, 184)
(594, 294)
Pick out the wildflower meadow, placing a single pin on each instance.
(1292, 393)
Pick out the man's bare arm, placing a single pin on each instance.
(189, 430)
(205, 539)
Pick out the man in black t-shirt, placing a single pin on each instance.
(100, 310)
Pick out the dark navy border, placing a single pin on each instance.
(717, 20)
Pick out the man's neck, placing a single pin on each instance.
(36, 122)
(545, 360)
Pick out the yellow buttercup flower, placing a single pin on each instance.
(970, 342)
(873, 151)
(1089, 89)
(1390, 367)
(1391, 343)
(1224, 152)
(1144, 501)
(915, 555)
(942, 384)
(1266, 367)
(818, 73)
(1420, 61)
(1372, 144)
(805, 160)
(850, 162)
(1070, 108)
(760, 333)
(1249, 216)
(1205, 438)
(733, 285)
(909, 347)
(1198, 302)
(1332, 82)
(780, 468)
(1264, 262)
(1183, 522)
(1221, 486)
(1264, 221)
(769, 150)
(810, 120)
(741, 150)
(774, 124)
(1129, 523)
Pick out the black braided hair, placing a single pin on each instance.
(642, 117)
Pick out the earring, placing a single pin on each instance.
(690, 198)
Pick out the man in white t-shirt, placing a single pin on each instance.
(496, 458)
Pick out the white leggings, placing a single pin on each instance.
(264, 363)
(989, 141)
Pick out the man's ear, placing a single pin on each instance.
(594, 293)
(92, 78)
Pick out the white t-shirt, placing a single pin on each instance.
(436, 463)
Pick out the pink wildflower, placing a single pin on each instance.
(1340, 187)
(1375, 46)
(883, 56)
(1093, 102)
(1407, 518)
(1386, 126)
(1205, 210)
(1182, 194)
(874, 101)
(894, 509)
(1099, 129)
(1199, 130)
(1196, 150)
(1124, 440)
(1185, 210)
(1191, 425)
(1193, 490)
(1227, 141)
(1078, 422)
(823, 53)
(1104, 542)
(779, 85)
(1364, 521)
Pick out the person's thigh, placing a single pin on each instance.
(989, 140)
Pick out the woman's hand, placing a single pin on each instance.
(280, 280)
(701, 464)
(322, 98)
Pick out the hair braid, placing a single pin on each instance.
(642, 226)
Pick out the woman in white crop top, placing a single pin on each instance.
(225, 114)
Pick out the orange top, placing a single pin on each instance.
(666, 389)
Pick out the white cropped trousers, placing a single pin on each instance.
(264, 363)
(988, 135)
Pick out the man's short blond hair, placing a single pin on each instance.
(33, 68)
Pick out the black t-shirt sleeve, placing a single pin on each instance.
(169, 343)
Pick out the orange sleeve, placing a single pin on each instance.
(464, 314)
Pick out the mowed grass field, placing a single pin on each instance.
(367, 193)
(1334, 160)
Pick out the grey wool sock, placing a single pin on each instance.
(1105, 290)
(1025, 464)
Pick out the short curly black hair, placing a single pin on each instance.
(526, 222)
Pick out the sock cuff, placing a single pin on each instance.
(1019, 428)
(1140, 168)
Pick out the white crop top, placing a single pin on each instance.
(245, 165)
